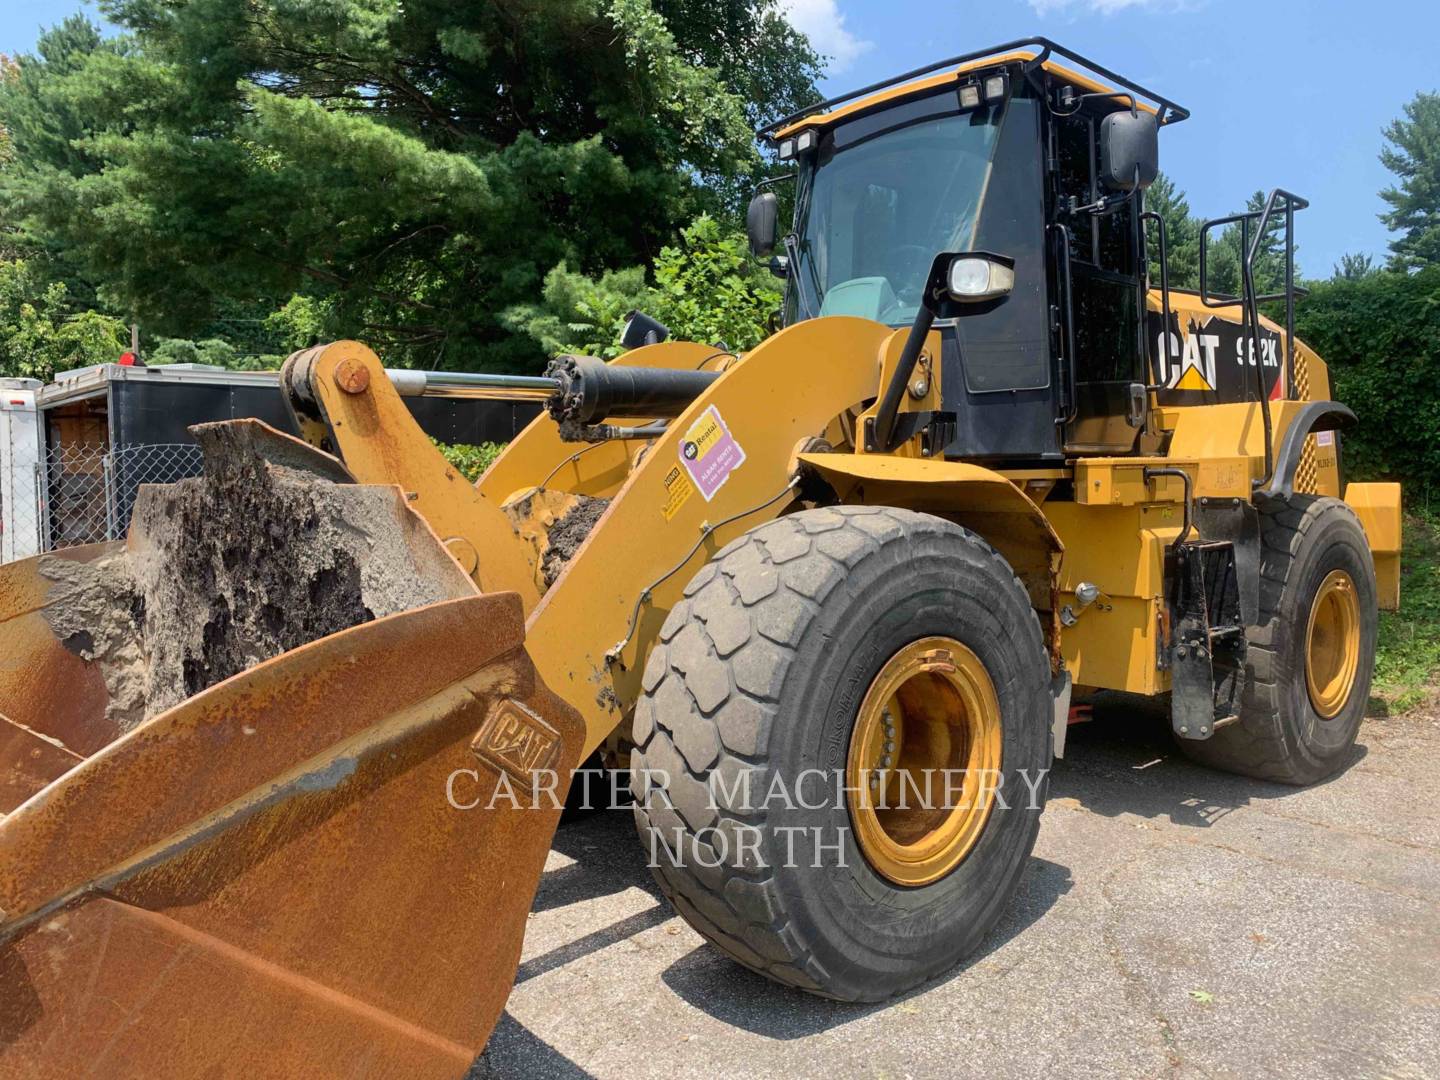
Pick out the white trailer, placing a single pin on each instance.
(22, 450)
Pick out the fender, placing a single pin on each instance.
(978, 498)
(947, 488)
(1313, 416)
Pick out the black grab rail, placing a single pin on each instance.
(1168, 112)
(1287, 203)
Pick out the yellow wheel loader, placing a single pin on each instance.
(280, 772)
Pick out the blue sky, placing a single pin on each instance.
(1283, 92)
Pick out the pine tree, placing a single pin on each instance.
(411, 170)
(1414, 157)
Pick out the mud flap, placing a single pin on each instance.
(320, 865)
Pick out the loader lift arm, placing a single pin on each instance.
(295, 832)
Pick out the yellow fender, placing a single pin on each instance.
(982, 500)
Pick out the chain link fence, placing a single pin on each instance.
(87, 492)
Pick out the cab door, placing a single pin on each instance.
(1105, 302)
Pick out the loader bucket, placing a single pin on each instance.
(321, 863)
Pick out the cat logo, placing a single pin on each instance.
(1196, 369)
(1191, 377)
(516, 741)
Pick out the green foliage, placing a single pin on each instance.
(408, 171)
(1414, 157)
(1182, 235)
(1225, 253)
(470, 460)
(300, 322)
(216, 352)
(577, 314)
(1380, 336)
(1355, 267)
(706, 288)
(42, 332)
(1407, 654)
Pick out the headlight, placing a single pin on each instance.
(980, 277)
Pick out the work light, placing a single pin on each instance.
(980, 277)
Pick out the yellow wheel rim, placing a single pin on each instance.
(1332, 644)
(924, 761)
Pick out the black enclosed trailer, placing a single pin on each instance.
(100, 432)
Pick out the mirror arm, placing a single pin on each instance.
(1106, 204)
(884, 430)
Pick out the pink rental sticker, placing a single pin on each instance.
(710, 453)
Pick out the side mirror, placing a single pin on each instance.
(1129, 150)
(641, 330)
(762, 222)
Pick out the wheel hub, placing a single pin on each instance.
(924, 761)
(1332, 644)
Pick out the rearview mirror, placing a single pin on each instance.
(762, 221)
(1129, 150)
(641, 330)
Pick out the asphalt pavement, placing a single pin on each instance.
(1173, 922)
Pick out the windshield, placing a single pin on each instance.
(886, 194)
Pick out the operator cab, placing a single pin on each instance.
(1029, 165)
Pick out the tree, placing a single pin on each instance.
(1414, 157)
(42, 332)
(1182, 235)
(1355, 266)
(410, 171)
(707, 288)
(1380, 336)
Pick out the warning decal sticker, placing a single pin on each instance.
(678, 488)
(710, 453)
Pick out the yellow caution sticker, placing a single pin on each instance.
(678, 489)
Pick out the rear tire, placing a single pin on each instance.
(1311, 548)
(760, 673)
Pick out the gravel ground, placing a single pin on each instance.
(1173, 922)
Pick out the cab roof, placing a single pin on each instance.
(1033, 51)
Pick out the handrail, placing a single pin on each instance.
(1153, 215)
(1250, 301)
(1072, 393)
(1178, 113)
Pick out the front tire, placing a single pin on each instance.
(1311, 657)
(759, 679)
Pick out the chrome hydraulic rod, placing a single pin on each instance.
(410, 383)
